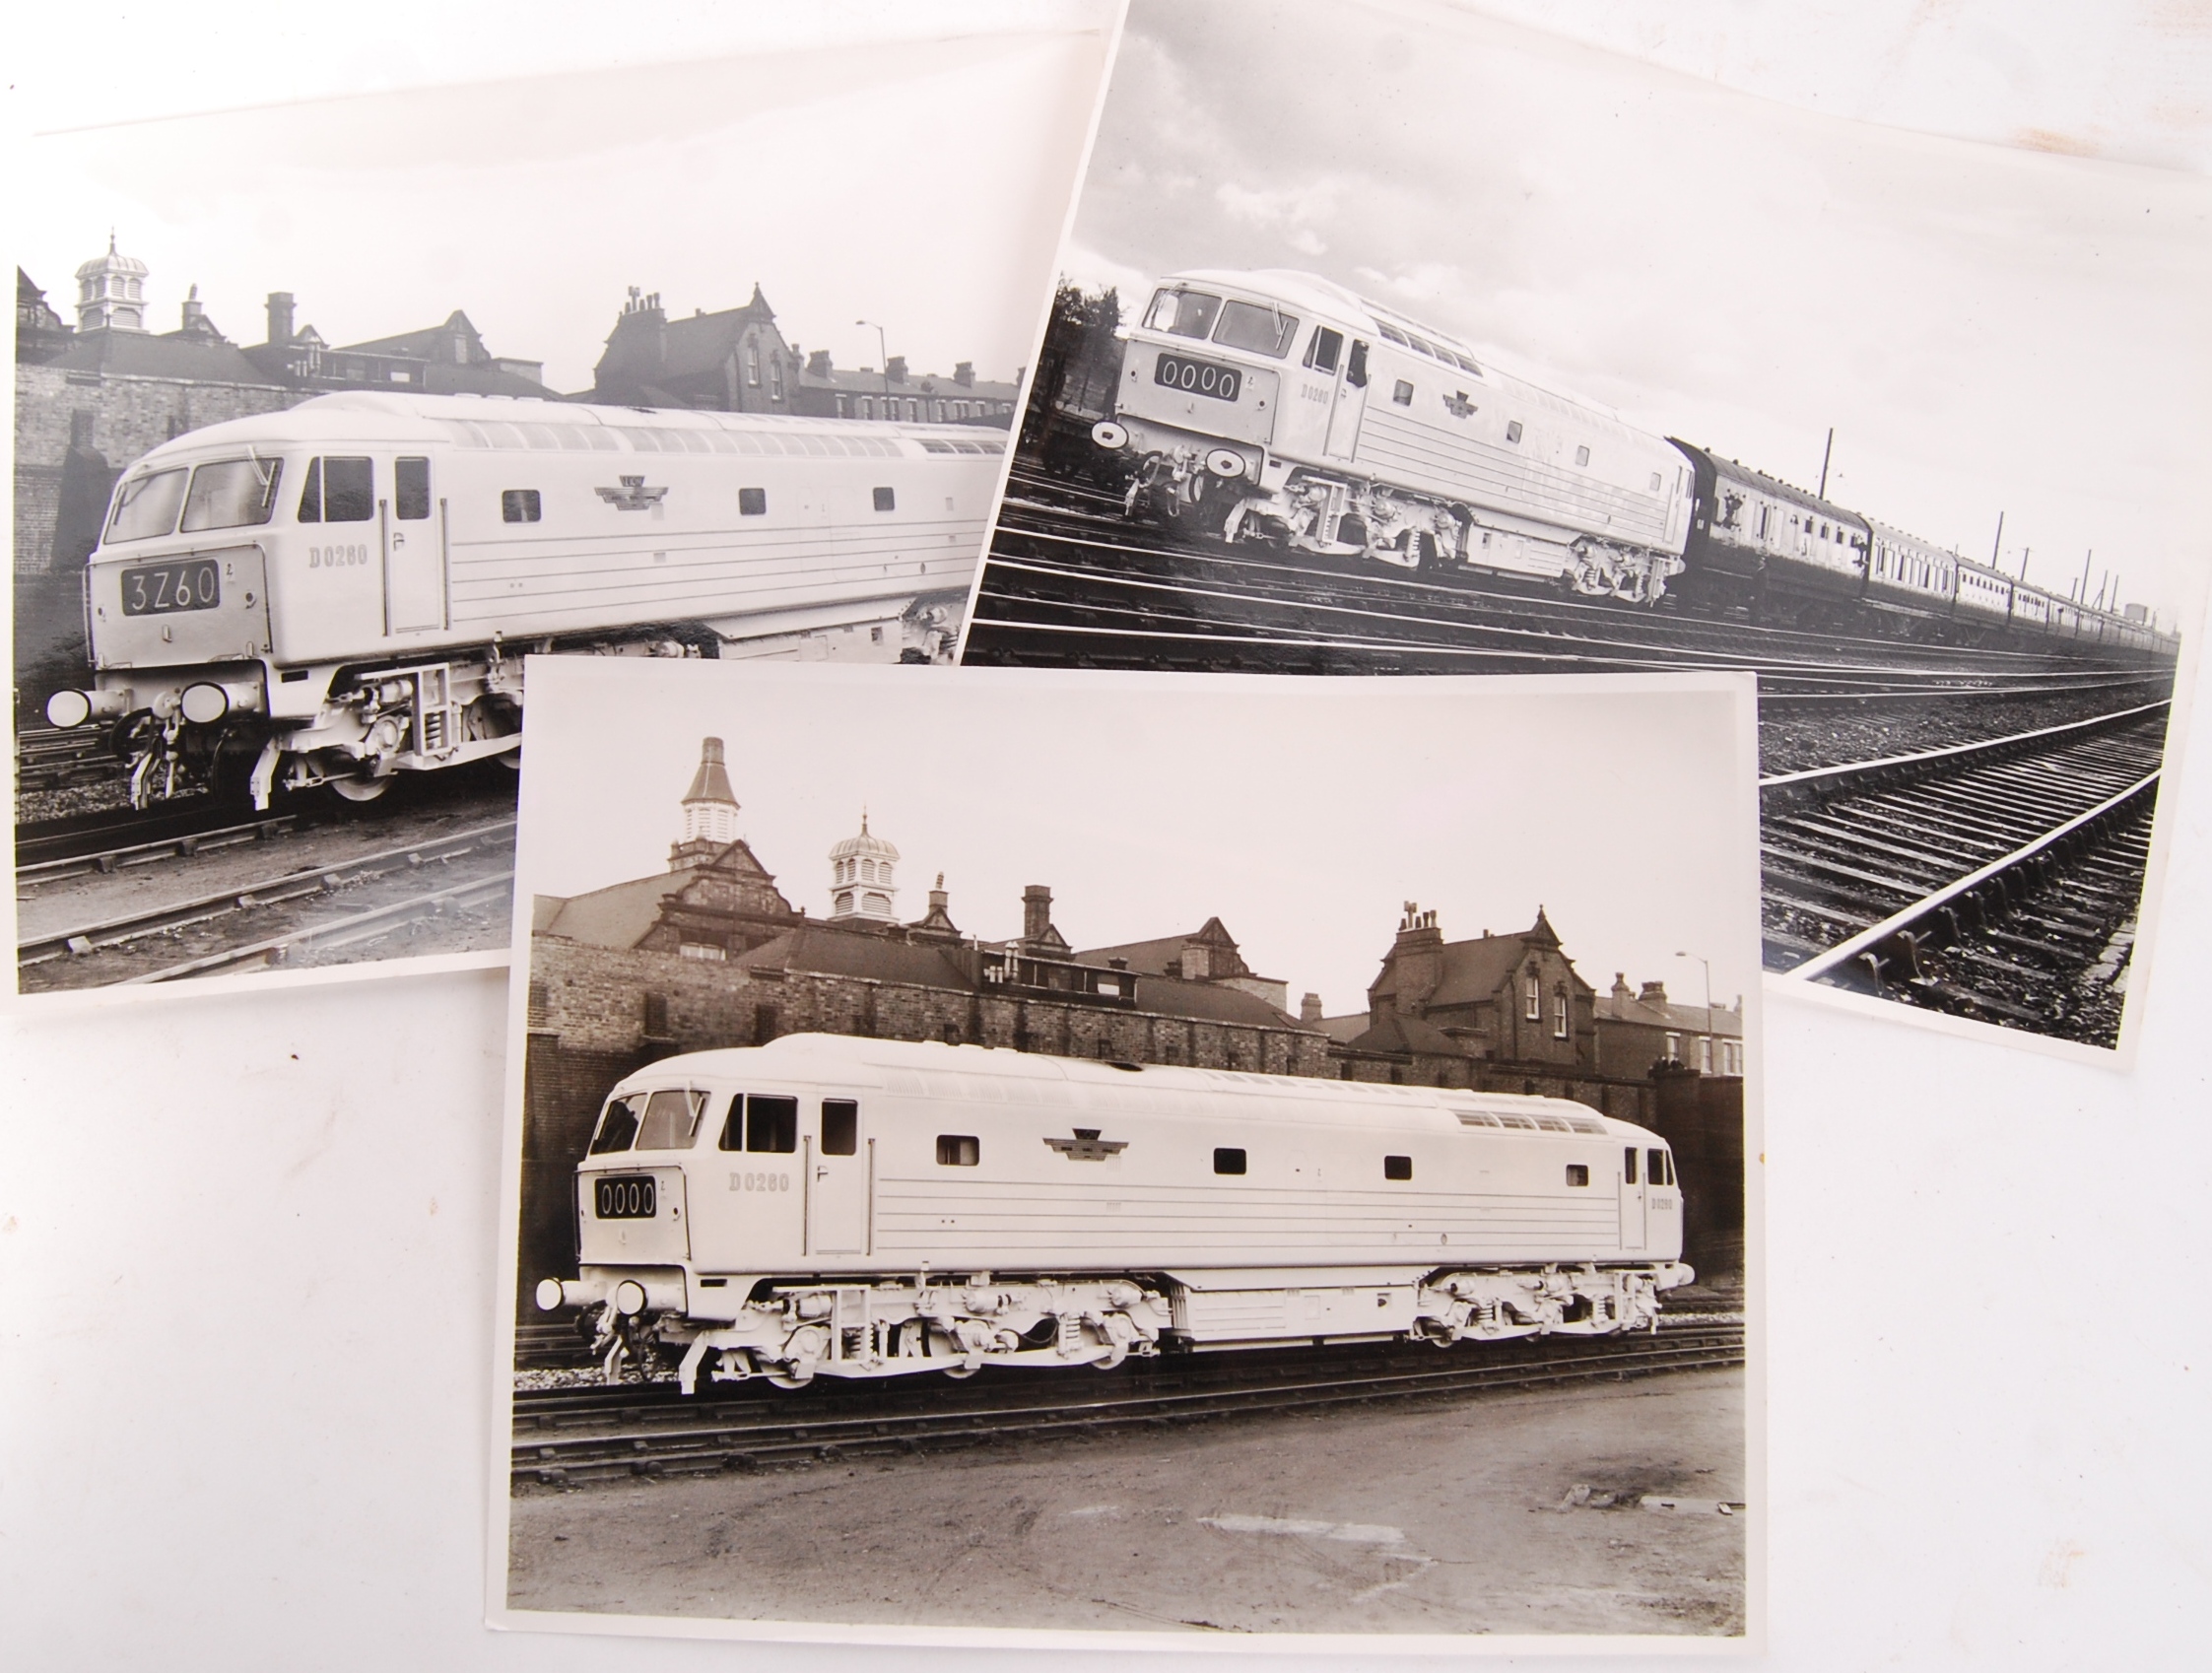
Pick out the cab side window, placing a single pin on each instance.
(1322, 351)
(840, 1126)
(761, 1123)
(338, 491)
(1627, 1166)
(1659, 1168)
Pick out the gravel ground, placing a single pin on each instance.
(1532, 1511)
(1791, 740)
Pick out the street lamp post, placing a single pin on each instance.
(883, 360)
(1708, 964)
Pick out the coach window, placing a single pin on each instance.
(518, 505)
(886, 500)
(957, 1150)
(1513, 429)
(1402, 393)
(1397, 1167)
(840, 1126)
(411, 490)
(1578, 1174)
(338, 491)
(234, 494)
(618, 1125)
(1627, 1166)
(752, 502)
(147, 506)
(1229, 1161)
(671, 1120)
(1182, 314)
(1321, 352)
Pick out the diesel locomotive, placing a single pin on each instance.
(1279, 406)
(824, 1206)
(344, 591)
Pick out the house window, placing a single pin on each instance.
(957, 1150)
(1704, 1054)
(1674, 1048)
(1559, 1016)
(518, 505)
(867, 406)
(752, 502)
(1229, 1161)
(1513, 429)
(1532, 1000)
(705, 950)
(1397, 1167)
(776, 379)
(753, 365)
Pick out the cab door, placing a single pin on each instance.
(1634, 1232)
(413, 526)
(1310, 390)
(841, 1179)
(1350, 404)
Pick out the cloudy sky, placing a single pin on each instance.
(1987, 329)
(1302, 813)
(852, 179)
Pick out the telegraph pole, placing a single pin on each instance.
(1824, 453)
(1999, 543)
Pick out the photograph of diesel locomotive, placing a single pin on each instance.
(1262, 1314)
(1903, 426)
(273, 600)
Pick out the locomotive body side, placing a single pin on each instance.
(740, 1203)
(350, 585)
(1279, 405)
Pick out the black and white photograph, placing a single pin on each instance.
(1389, 337)
(1020, 1158)
(328, 414)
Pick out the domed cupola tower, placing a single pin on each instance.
(710, 811)
(861, 883)
(112, 293)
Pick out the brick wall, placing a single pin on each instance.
(130, 415)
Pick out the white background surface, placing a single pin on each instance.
(246, 1246)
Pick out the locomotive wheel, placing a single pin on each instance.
(780, 1378)
(961, 1370)
(358, 790)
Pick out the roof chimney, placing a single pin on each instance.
(895, 369)
(1655, 993)
(1309, 1008)
(1037, 913)
(1620, 987)
(280, 318)
(963, 374)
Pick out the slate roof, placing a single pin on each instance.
(618, 915)
(1685, 1018)
(134, 354)
(819, 950)
(1393, 1032)
(427, 344)
(1474, 970)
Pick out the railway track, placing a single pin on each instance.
(566, 1437)
(189, 835)
(256, 902)
(48, 757)
(1996, 880)
(1112, 595)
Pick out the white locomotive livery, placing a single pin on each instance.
(824, 1206)
(343, 591)
(1279, 406)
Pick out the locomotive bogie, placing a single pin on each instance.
(780, 1210)
(355, 585)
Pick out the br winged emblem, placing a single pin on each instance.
(1087, 1146)
(1456, 403)
(633, 495)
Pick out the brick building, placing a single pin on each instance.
(1639, 1030)
(895, 393)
